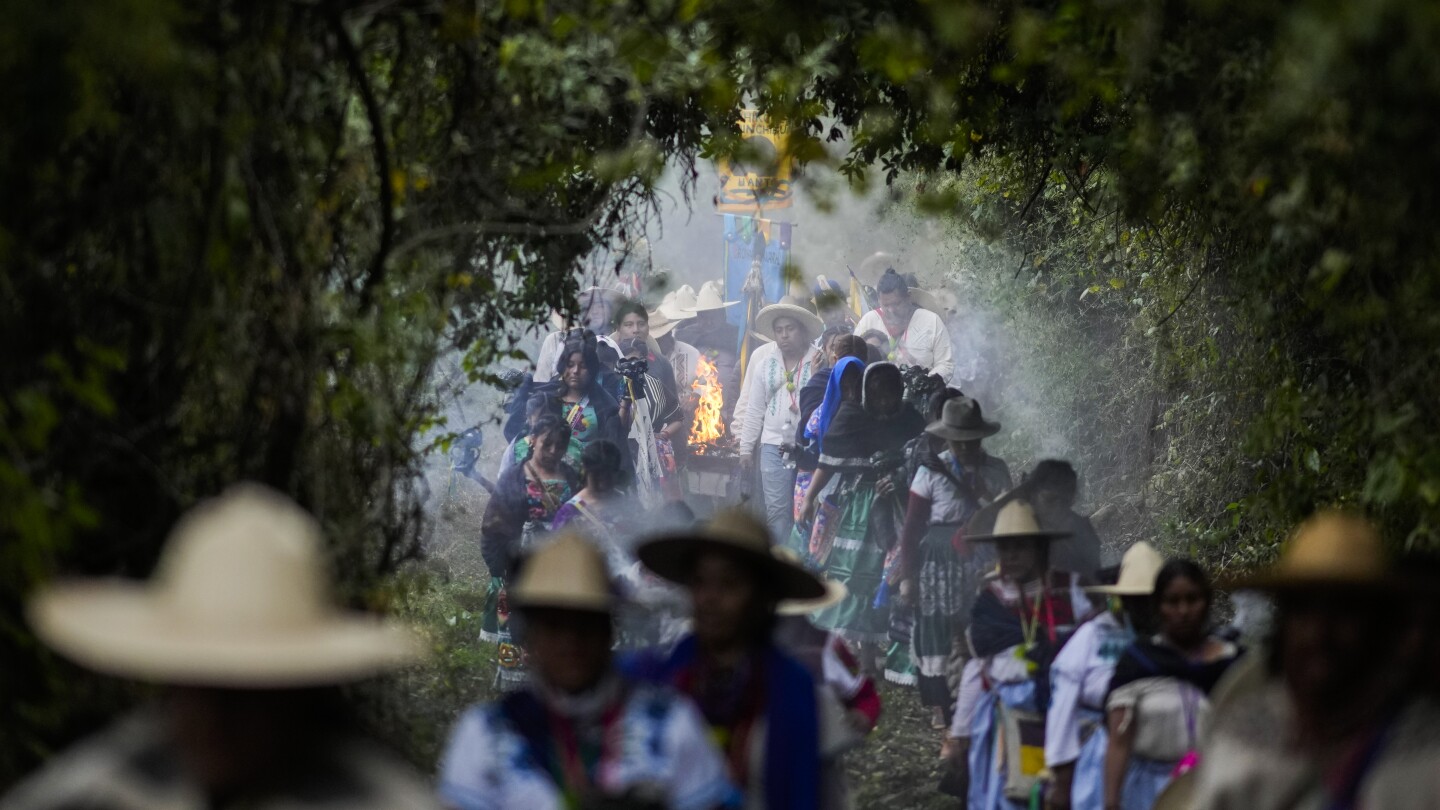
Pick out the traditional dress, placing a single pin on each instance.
(1250, 760)
(636, 745)
(946, 572)
(1075, 723)
(819, 401)
(1167, 696)
(862, 538)
(765, 714)
(1014, 632)
(523, 507)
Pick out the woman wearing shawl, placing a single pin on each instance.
(870, 425)
(1075, 736)
(590, 411)
(1159, 697)
(774, 725)
(944, 494)
(813, 413)
(526, 499)
(1021, 617)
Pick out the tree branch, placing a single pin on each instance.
(376, 274)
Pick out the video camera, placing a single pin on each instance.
(920, 385)
(634, 370)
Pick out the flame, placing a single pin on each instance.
(708, 427)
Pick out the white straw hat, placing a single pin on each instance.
(661, 324)
(1137, 572)
(711, 297)
(568, 572)
(1016, 521)
(241, 598)
(679, 304)
(789, 307)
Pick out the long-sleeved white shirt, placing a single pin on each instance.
(925, 342)
(1080, 676)
(766, 404)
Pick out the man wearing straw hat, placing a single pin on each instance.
(684, 358)
(770, 411)
(1337, 723)
(1075, 738)
(762, 705)
(580, 736)
(918, 337)
(238, 626)
(1021, 617)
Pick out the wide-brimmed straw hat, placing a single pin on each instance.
(241, 599)
(568, 572)
(679, 304)
(788, 307)
(961, 420)
(1329, 550)
(660, 324)
(1016, 521)
(835, 590)
(1137, 572)
(732, 531)
(711, 297)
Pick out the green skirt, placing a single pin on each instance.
(857, 561)
(495, 629)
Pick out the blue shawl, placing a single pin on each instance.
(792, 723)
(831, 403)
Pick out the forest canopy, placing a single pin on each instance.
(236, 237)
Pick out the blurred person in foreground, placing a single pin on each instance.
(580, 737)
(239, 628)
(1075, 735)
(1338, 721)
(777, 727)
(1158, 704)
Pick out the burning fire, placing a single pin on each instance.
(708, 427)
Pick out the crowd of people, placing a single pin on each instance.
(649, 660)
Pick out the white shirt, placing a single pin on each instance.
(548, 357)
(1080, 676)
(925, 342)
(767, 405)
(664, 747)
(686, 362)
(945, 506)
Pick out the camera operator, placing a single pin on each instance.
(655, 418)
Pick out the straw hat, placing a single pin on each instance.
(789, 307)
(1137, 572)
(240, 599)
(1016, 521)
(835, 590)
(961, 420)
(711, 297)
(734, 531)
(1330, 549)
(925, 299)
(661, 324)
(568, 572)
(679, 304)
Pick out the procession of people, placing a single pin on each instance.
(648, 660)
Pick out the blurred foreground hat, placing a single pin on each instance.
(1330, 549)
(569, 573)
(835, 590)
(732, 531)
(241, 598)
(1138, 569)
(711, 297)
(961, 421)
(788, 307)
(1016, 521)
